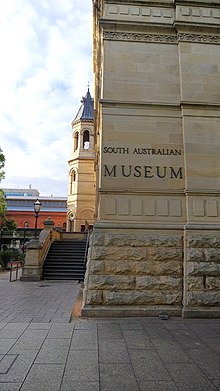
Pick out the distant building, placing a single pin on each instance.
(20, 206)
(82, 188)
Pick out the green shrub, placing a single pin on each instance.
(10, 255)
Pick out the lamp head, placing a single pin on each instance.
(37, 206)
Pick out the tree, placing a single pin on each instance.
(2, 196)
(7, 224)
(2, 163)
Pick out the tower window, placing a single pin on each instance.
(73, 180)
(76, 141)
(86, 139)
(73, 176)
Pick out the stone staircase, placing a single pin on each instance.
(65, 260)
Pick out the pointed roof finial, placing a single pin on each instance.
(88, 85)
(86, 110)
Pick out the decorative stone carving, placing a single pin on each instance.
(121, 36)
(206, 38)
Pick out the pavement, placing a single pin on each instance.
(43, 349)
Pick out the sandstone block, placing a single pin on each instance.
(165, 254)
(97, 239)
(198, 299)
(195, 254)
(166, 268)
(201, 268)
(195, 283)
(158, 282)
(111, 282)
(120, 267)
(213, 283)
(212, 254)
(93, 297)
(143, 240)
(96, 267)
(203, 241)
(119, 253)
(141, 298)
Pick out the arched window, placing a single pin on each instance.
(86, 139)
(64, 226)
(76, 141)
(73, 180)
(73, 176)
(26, 224)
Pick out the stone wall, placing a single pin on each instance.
(145, 275)
(202, 274)
(141, 272)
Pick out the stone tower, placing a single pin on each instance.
(81, 187)
(156, 242)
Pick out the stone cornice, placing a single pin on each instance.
(161, 38)
(139, 37)
(203, 38)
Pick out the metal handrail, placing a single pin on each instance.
(86, 249)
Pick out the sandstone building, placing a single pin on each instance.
(156, 242)
(81, 187)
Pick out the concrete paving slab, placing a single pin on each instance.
(158, 386)
(53, 352)
(113, 352)
(40, 326)
(13, 330)
(6, 363)
(81, 366)
(109, 331)
(208, 361)
(84, 340)
(44, 377)
(10, 386)
(117, 377)
(137, 339)
(6, 344)
(30, 340)
(188, 377)
(21, 366)
(148, 365)
(61, 331)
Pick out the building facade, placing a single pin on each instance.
(156, 242)
(20, 207)
(82, 180)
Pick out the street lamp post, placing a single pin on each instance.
(37, 208)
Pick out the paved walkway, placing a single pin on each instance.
(41, 352)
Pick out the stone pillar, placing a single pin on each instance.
(34, 257)
(48, 224)
(32, 270)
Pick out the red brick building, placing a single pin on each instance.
(20, 206)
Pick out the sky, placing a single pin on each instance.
(45, 67)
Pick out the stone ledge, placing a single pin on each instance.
(128, 311)
(208, 312)
(30, 278)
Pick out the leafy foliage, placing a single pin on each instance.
(10, 255)
(3, 207)
(2, 163)
(7, 224)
